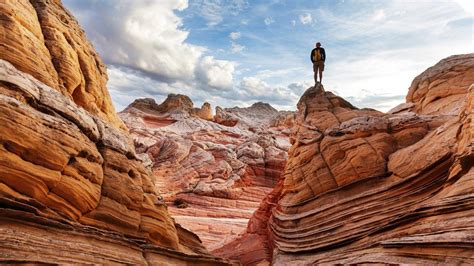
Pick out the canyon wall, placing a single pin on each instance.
(361, 186)
(213, 174)
(43, 39)
(72, 188)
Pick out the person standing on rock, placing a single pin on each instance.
(318, 57)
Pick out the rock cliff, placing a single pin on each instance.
(362, 186)
(43, 39)
(213, 176)
(442, 88)
(72, 188)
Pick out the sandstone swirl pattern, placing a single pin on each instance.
(213, 175)
(43, 39)
(361, 186)
(72, 189)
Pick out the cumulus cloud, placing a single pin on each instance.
(280, 96)
(268, 21)
(147, 36)
(306, 18)
(218, 74)
(235, 35)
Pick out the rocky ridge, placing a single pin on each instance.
(72, 188)
(409, 205)
(213, 176)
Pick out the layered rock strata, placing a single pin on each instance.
(72, 188)
(364, 187)
(213, 176)
(442, 88)
(67, 177)
(43, 39)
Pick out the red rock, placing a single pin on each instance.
(213, 176)
(366, 187)
(72, 188)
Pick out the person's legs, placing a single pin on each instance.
(315, 69)
(321, 69)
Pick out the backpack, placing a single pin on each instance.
(317, 55)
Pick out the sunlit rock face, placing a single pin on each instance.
(72, 188)
(362, 186)
(43, 39)
(442, 88)
(213, 175)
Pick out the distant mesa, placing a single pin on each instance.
(178, 107)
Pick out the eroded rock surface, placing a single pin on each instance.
(213, 176)
(362, 187)
(43, 39)
(441, 88)
(67, 176)
(72, 188)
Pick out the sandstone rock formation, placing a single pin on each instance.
(43, 39)
(212, 176)
(441, 88)
(365, 187)
(176, 106)
(72, 188)
(67, 177)
(255, 118)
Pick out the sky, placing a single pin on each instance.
(237, 52)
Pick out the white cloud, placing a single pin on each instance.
(211, 11)
(214, 11)
(255, 86)
(149, 37)
(235, 35)
(268, 21)
(379, 15)
(259, 90)
(267, 73)
(467, 5)
(237, 48)
(237, 6)
(306, 18)
(216, 73)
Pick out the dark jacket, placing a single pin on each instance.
(321, 50)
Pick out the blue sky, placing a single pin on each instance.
(237, 52)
